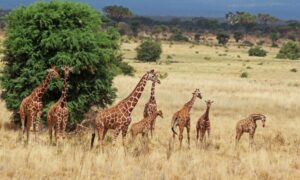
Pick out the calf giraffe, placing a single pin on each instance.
(118, 116)
(182, 117)
(151, 107)
(248, 125)
(203, 123)
(58, 113)
(143, 126)
(32, 105)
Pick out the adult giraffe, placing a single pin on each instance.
(118, 116)
(32, 105)
(151, 107)
(58, 113)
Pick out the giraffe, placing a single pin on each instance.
(58, 113)
(248, 125)
(143, 126)
(182, 118)
(32, 105)
(203, 123)
(118, 116)
(151, 107)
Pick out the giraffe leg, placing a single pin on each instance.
(116, 134)
(124, 133)
(38, 120)
(238, 137)
(180, 135)
(22, 117)
(64, 126)
(50, 126)
(28, 126)
(251, 139)
(188, 134)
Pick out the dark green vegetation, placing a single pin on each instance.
(223, 38)
(61, 33)
(290, 50)
(257, 51)
(149, 51)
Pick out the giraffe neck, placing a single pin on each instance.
(152, 116)
(206, 114)
(190, 103)
(152, 96)
(44, 85)
(63, 98)
(134, 96)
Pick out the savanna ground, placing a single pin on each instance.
(270, 88)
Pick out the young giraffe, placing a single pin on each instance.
(32, 105)
(203, 123)
(143, 126)
(182, 117)
(151, 107)
(118, 116)
(58, 113)
(248, 125)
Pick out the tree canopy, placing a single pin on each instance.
(61, 33)
(117, 12)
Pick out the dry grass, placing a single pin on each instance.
(270, 89)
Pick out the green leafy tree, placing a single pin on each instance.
(243, 19)
(257, 51)
(290, 50)
(149, 50)
(223, 38)
(60, 33)
(117, 12)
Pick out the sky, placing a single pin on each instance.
(283, 9)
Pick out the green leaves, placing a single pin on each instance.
(61, 33)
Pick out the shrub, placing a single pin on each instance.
(223, 38)
(257, 51)
(244, 75)
(238, 36)
(293, 70)
(60, 33)
(290, 50)
(149, 51)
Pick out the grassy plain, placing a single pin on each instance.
(270, 88)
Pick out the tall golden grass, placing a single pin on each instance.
(270, 89)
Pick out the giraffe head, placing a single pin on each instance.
(67, 70)
(197, 93)
(153, 76)
(160, 113)
(208, 103)
(53, 72)
(261, 117)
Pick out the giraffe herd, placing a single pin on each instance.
(118, 117)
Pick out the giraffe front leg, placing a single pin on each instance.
(22, 118)
(64, 125)
(28, 126)
(180, 136)
(116, 134)
(38, 120)
(188, 134)
(251, 139)
(238, 137)
(124, 133)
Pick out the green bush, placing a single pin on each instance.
(223, 38)
(244, 75)
(257, 51)
(60, 33)
(149, 51)
(290, 50)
